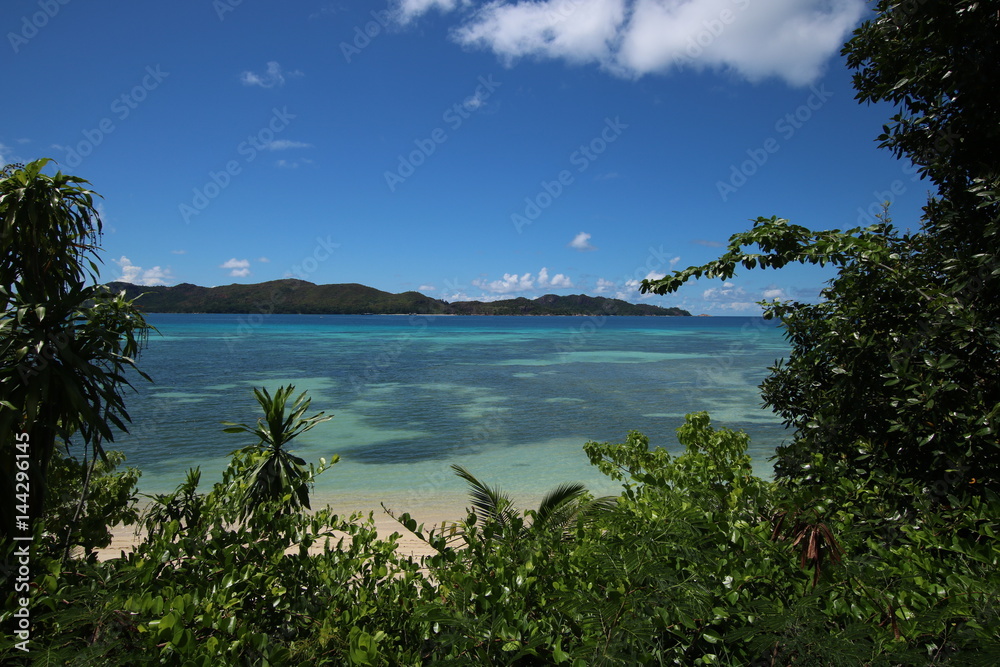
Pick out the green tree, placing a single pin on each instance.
(274, 473)
(895, 369)
(65, 341)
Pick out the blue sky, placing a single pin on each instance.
(463, 149)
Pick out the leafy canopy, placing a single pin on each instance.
(65, 341)
(895, 369)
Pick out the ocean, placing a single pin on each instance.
(513, 399)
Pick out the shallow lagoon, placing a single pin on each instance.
(511, 398)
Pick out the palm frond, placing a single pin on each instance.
(558, 507)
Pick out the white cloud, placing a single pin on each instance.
(557, 281)
(293, 164)
(774, 293)
(579, 32)
(476, 101)
(139, 276)
(407, 10)
(604, 286)
(581, 242)
(263, 260)
(178, 252)
(788, 39)
(727, 292)
(736, 307)
(731, 298)
(631, 292)
(238, 268)
(275, 75)
(6, 156)
(709, 244)
(512, 282)
(285, 144)
(426, 288)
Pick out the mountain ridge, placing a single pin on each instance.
(293, 296)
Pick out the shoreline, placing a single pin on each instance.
(123, 538)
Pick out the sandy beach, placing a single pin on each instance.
(433, 515)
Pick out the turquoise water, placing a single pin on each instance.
(511, 398)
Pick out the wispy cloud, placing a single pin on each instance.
(629, 291)
(732, 298)
(293, 164)
(407, 10)
(476, 101)
(285, 144)
(604, 285)
(273, 76)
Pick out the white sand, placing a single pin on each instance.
(124, 538)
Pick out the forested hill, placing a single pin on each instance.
(299, 296)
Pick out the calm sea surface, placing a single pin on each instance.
(511, 398)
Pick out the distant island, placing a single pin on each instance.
(293, 296)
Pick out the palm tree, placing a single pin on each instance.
(274, 473)
(558, 511)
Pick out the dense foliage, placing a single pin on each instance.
(877, 544)
(896, 369)
(688, 566)
(65, 342)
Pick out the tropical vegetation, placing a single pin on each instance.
(874, 544)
